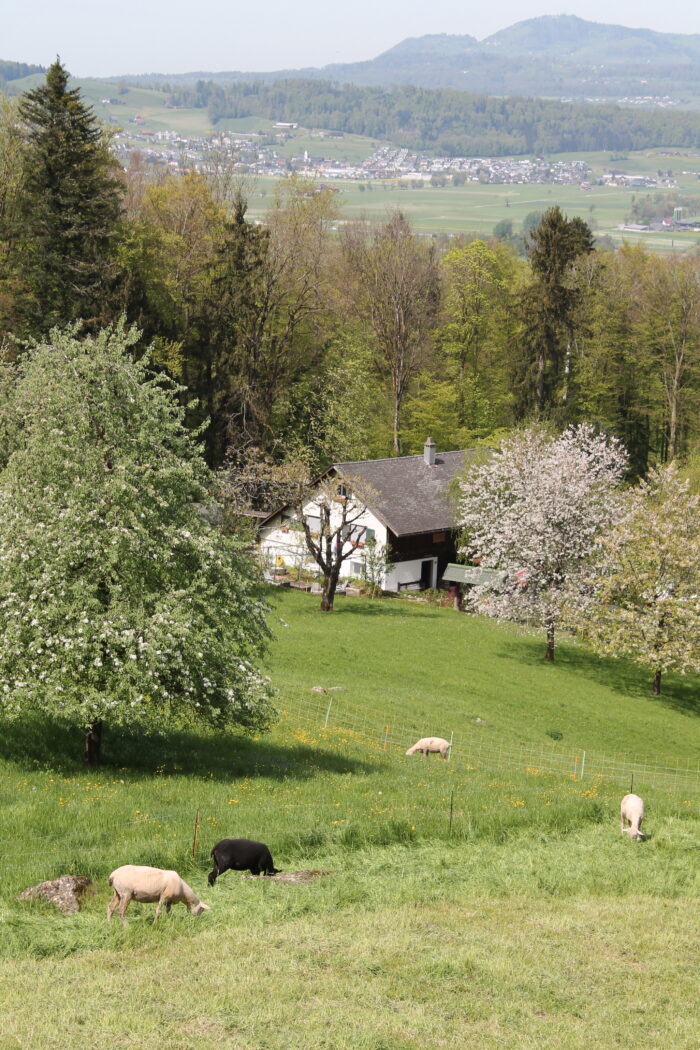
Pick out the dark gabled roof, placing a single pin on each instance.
(405, 493)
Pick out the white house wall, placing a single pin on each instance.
(279, 544)
(405, 575)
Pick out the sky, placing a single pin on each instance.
(179, 36)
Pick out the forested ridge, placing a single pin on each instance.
(553, 56)
(454, 123)
(17, 70)
(344, 340)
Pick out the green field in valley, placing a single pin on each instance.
(477, 208)
(487, 901)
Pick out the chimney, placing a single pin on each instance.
(429, 452)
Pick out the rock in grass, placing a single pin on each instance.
(65, 892)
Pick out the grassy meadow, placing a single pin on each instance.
(465, 904)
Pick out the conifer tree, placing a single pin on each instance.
(71, 203)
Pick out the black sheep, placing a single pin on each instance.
(241, 855)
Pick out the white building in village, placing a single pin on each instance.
(407, 509)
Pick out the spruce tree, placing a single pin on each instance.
(71, 204)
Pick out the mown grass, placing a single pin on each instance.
(528, 921)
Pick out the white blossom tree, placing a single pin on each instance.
(645, 587)
(533, 512)
(120, 599)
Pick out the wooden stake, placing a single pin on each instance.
(196, 829)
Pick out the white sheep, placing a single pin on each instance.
(632, 813)
(140, 883)
(428, 744)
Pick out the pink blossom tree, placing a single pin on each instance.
(533, 511)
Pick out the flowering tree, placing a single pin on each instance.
(376, 565)
(645, 600)
(533, 511)
(119, 597)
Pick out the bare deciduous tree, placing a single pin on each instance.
(393, 286)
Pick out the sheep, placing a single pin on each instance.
(632, 813)
(241, 855)
(430, 744)
(140, 883)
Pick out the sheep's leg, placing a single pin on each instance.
(112, 906)
(213, 875)
(161, 902)
(123, 905)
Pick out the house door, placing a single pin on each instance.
(426, 574)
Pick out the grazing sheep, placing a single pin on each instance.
(241, 855)
(632, 812)
(139, 883)
(430, 744)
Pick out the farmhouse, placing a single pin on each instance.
(408, 511)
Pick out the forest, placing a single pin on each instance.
(17, 70)
(448, 122)
(339, 340)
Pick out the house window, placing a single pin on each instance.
(438, 537)
(314, 525)
(344, 492)
(369, 535)
(356, 568)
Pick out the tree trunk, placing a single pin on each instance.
(328, 593)
(656, 684)
(539, 395)
(549, 655)
(396, 423)
(93, 743)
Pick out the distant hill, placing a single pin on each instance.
(574, 59)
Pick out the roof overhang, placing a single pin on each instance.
(471, 575)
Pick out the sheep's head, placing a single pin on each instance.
(199, 907)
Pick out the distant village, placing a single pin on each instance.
(260, 154)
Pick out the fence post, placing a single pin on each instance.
(583, 764)
(196, 829)
(452, 795)
(449, 753)
(386, 736)
(328, 713)
(575, 767)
